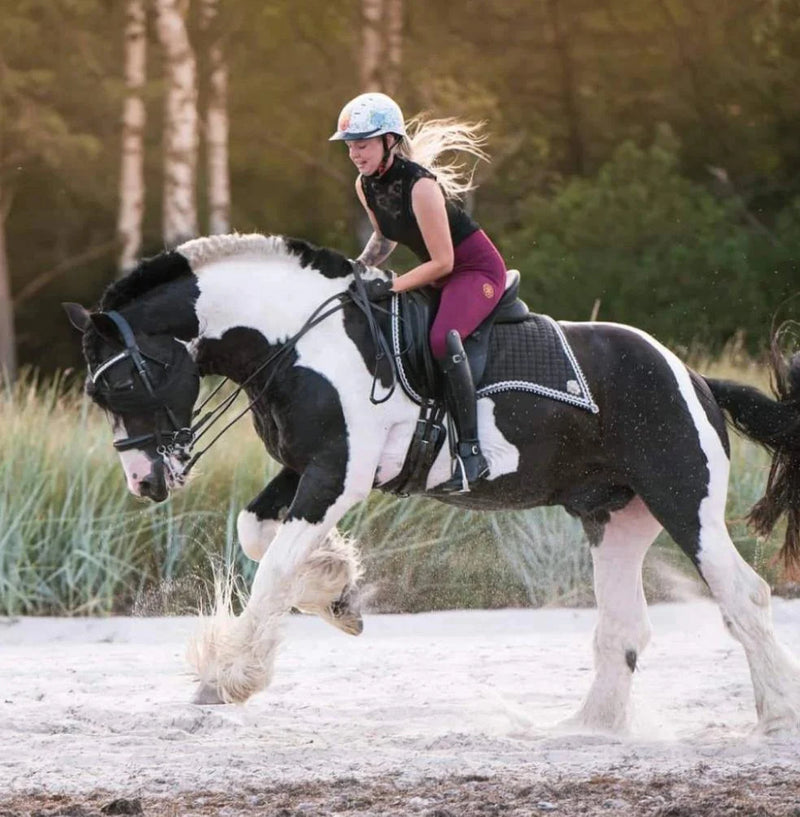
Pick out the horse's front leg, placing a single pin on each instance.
(258, 524)
(234, 656)
(331, 571)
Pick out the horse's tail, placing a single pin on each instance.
(775, 424)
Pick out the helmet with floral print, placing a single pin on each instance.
(368, 115)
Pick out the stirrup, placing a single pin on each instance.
(470, 468)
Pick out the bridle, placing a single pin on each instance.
(176, 444)
(178, 439)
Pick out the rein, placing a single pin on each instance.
(181, 440)
(382, 351)
(212, 416)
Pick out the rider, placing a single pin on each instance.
(412, 200)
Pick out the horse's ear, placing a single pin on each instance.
(78, 316)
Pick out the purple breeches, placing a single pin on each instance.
(470, 292)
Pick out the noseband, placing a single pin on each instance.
(178, 440)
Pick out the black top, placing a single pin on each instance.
(389, 198)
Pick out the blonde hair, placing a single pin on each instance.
(428, 139)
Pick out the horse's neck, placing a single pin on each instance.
(168, 309)
(274, 296)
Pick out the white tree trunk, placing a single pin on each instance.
(394, 45)
(216, 124)
(180, 125)
(131, 185)
(381, 45)
(371, 44)
(8, 352)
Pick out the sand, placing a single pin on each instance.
(98, 708)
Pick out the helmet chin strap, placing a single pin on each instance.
(387, 153)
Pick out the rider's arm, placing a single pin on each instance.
(427, 202)
(378, 248)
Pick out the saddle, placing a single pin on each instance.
(414, 311)
(512, 350)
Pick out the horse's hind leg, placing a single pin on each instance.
(744, 600)
(695, 518)
(623, 627)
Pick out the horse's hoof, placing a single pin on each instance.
(345, 620)
(207, 695)
(352, 624)
(344, 615)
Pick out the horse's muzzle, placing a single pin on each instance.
(154, 485)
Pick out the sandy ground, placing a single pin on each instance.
(438, 714)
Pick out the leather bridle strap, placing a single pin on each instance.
(382, 348)
(135, 354)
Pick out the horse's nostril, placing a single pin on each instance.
(154, 486)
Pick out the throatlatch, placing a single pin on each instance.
(462, 404)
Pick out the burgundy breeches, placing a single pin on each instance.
(470, 292)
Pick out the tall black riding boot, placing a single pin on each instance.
(470, 464)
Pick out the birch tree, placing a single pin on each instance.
(381, 53)
(35, 133)
(371, 45)
(216, 121)
(8, 356)
(394, 45)
(180, 124)
(8, 348)
(381, 45)
(131, 185)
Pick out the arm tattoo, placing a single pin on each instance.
(377, 250)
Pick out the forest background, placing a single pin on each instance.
(646, 159)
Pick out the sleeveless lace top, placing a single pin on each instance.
(389, 198)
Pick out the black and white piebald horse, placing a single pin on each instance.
(268, 313)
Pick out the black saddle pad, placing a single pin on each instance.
(535, 356)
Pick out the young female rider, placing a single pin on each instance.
(410, 200)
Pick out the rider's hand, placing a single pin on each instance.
(376, 289)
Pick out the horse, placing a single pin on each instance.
(275, 315)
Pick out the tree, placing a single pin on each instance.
(381, 53)
(180, 124)
(216, 121)
(381, 45)
(134, 116)
(35, 132)
(8, 349)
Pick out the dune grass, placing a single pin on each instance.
(74, 542)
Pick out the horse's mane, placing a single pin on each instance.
(203, 251)
(149, 273)
(191, 256)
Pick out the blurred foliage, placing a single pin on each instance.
(645, 241)
(643, 154)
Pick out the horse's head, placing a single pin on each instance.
(147, 385)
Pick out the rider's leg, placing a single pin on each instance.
(469, 294)
(462, 404)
